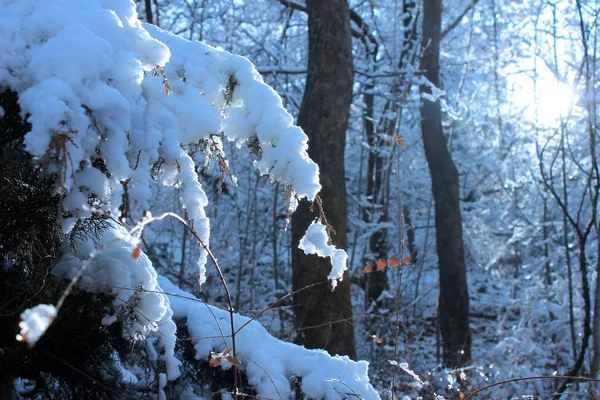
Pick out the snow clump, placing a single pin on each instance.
(316, 241)
(114, 104)
(34, 323)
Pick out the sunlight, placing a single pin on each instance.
(555, 100)
(545, 103)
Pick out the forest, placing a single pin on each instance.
(307, 199)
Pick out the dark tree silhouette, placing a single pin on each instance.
(453, 306)
(324, 117)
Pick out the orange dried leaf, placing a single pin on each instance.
(376, 339)
(226, 352)
(233, 360)
(399, 139)
(136, 253)
(214, 362)
(369, 268)
(406, 260)
(393, 261)
(381, 264)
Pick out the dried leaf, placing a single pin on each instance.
(233, 360)
(399, 139)
(376, 339)
(393, 261)
(369, 268)
(406, 260)
(214, 361)
(136, 253)
(226, 352)
(381, 264)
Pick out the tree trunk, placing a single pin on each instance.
(454, 296)
(324, 117)
(148, 7)
(596, 324)
(377, 213)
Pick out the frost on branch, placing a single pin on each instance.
(316, 241)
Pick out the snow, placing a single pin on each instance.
(269, 362)
(316, 241)
(34, 323)
(93, 80)
(133, 283)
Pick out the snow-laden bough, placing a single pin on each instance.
(114, 105)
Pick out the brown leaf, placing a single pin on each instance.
(226, 352)
(369, 268)
(406, 260)
(214, 362)
(393, 261)
(399, 139)
(381, 264)
(376, 339)
(233, 360)
(136, 253)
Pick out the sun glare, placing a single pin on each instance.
(555, 100)
(545, 103)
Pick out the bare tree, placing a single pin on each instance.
(324, 319)
(453, 306)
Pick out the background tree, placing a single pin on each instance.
(453, 307)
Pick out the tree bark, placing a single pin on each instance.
(149, 18)
(324, 117)
(454, 296)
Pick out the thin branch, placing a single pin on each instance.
(529, 378)
(140, 228)
(457, 20)
(293, 5)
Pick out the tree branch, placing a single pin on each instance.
(294, 5)
(458, 19)
(364, 28)
(365, 32)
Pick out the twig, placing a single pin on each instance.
(399, 291)
(458, 19)
(530, 378)
(146, 221)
